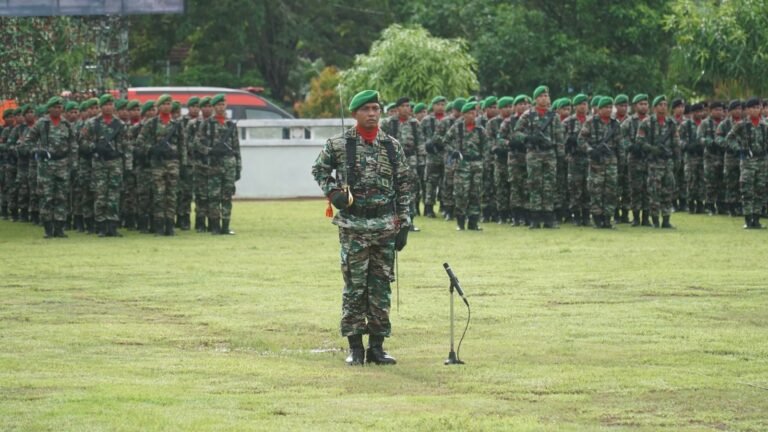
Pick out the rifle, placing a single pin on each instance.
(540, 131)
(105, 142)
(164, 149)
(41, 154)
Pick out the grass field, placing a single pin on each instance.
(575, 329)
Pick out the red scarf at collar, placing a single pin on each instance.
(755, 120)
(620, 118)
(107, 118)
(135, 121)
(367, 135)
(641, 117)
(221, 119)
(661, 119)
(736, 119)
(165, 118)
(55, 120)
(541, 111)
(582, 117)
(403, 119)
(697, 122)
(439, 116)
(470, 127)
(605, 120)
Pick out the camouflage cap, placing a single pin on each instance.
(421, 106)
(362, 98)
(579, 99)
(193, 101)
(540, 90)
(506, 101)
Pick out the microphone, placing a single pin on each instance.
(454, 281)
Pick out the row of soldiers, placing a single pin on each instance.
(538, 163)
(104, 163)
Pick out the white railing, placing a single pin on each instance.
(278, 156)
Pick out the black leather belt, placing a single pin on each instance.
(472, 158)
(370, 212)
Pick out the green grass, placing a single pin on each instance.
(575, 329)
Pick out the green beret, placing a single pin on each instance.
(595, 100)
(218, 98)
(121, 104)
(56, 100)
(659, 99)
(469, 106)
(71, 106)
(41, 109)
(193, 101)
(206, 101)
(472, 99)
(148, 105)
(164, 98)
(605, 101)
(438, 99)
(175, 106)
(506, 101)
(458, 104)
(105, 99)
(556, 105)
(489, 101)
(26, 107)
(8, 113)
(17, 111)
(621, 99)
(565, 102)
(83, 105)
(419, 107)
(133, 104)
(389, 107)
(520, 99)
(362, 98)
(540, 90)
(639, 98)
(579, 99)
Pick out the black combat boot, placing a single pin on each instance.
(585, 217)
(598, 219)
(214, 226)
(691, 207)
(756, 221)
(575, 217)
(225, 227)
(158, 226)
(665, 223)
(616, 216)
(112, 229)
(142, 225)
(376, 353)
(68, 223)
(4, 211)
(90, 225)
(747, 222)
(14, 214)
(710, 208)
(460, 222)
(200, 224)
(655, 221)
(472, 225)
(644, 219)
(34, 217)
(682, 205)
(721, 208)
(186, 223)
(77, 223)
(534, 220)
(101, 227)
(413, 228)
(635, 218)
(429, 211)
(356, 355)
(605, 223)
(58, 229)
(130, 222)
(169, 227)
(548, 220)
(48, 229)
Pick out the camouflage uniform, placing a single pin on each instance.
(541, 136)
(85, 190)
(186, 177)
(219, 148)
(7, 170)
(32, 186)
(749, 142)
(446, 190)
(681, 193)
(713, 162)
(410, 137)
(637, 167)
(111, 153)
(660, 144)
(129, 203)
(467, 149)
(601, 141)
(367, 229)
(435, 160)
(625, 193)
(164, 143)
(731, 166)
(577, 171)
(20, 193)
(56, 151)
(199, 174)
(498, 152)
(142, 170)
(693, 154)
(488, 187)
(516, 170)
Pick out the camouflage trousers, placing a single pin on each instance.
(447, 189)
(53, 182)
(694, 178)
(501, 184)
(467, 184)
(487, 190)
(129, 196)
(10, 191)
(22, 186)
(638, 182)
(71, 197)
(517, 175)
(713, 177)
(186, 188)
(413, 172)
(84, 190)
(34, 191)
(144, 188)
(578, 171)
(165, 185)
(367, 263)
(433, 177)
(752, 182)
(661, 186)
(731, 177)
(3, 187)
(563, 196)
(681, 191)
(542, 173)
(200, 186)
(603, 186)
(421, 194)
(623, 180)
(221, 187)
(107, 178)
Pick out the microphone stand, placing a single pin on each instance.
(452, 358)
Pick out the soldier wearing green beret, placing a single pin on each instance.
(748, 139)
(488, 110)
(373, 200)
(446, 195)
(693, 161)
(200, 177)
(712, 163)
(729, 193)
(20, 194)
(516, 165)
(621, 103)
(163, 141)
(636, 163)
(420, 111)
(577, 162)
(435, 158)
(658, 138)
(7, 163)
(542, 131)
(191, 124)
(499, 151)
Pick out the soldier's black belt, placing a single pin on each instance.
(409, 154)
(370, 212)
(58, 156)
(472, 158)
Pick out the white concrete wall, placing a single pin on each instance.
(278, 156)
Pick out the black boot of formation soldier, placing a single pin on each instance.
(655, 221)
(448, 213)
(112, 229)
(225, 227)
(90, 225)
(4, 212)
(473, 224)
(14, 215)
(635, 218)
(682, 206)
(214, 226)
(756, 221)
(534, 218)
(460, 222)
(356, 355)
(598, 220)
(665, 223)
(102, 228)
(24, 216)
(58, 229)
(376, 353)
(606, 222)
(575, 217)
(78, 224)
(200, 224)
(169, 227)
(158, 226)
(429, 211)
(48, 229)
(550, 221)
(68, 223)
(644, 219)
(747, 222)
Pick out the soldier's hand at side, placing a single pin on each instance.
(339, 199)
(401, 239)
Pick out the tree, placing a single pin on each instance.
(411, 62)
(323, 99)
